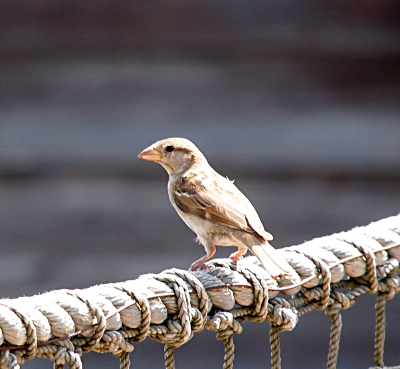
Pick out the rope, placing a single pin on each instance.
(333, 271)
(380, 329)
(275, 343)
(334, 313)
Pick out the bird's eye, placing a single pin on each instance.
(169, 148)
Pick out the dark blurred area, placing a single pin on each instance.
(296, 101)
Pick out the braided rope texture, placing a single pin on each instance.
(169, 307)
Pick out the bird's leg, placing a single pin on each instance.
(236, 256)
(210, 248)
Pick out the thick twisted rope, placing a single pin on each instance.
(333, 271)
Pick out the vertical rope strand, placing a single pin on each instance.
(380, 327)
(229, 355)
(334, 341)
(274, 339)
(169, 357)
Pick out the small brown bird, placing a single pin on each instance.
(212, 206)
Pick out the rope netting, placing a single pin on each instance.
(171, 306)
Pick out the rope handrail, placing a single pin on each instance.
(333, 271)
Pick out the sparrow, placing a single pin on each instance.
(213, 207)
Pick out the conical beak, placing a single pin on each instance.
(150, 154)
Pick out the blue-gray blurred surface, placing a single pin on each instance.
(298, 102)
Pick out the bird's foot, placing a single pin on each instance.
(236, 256)
(198, 266)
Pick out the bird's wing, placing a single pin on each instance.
(218, 200)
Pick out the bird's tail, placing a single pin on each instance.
(272, 261)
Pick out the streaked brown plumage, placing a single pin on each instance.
(212, 206)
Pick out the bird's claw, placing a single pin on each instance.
(236, 256)
(196, 266)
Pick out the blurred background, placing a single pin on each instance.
(296, 101)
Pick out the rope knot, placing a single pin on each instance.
(224, 321)
(388, 269)
(389, 286)
(116, 342)
(339, 301)
(65, 356)
(282, 315)
(8, 360)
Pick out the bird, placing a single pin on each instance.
(213, 207)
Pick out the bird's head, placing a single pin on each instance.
(176, 155)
